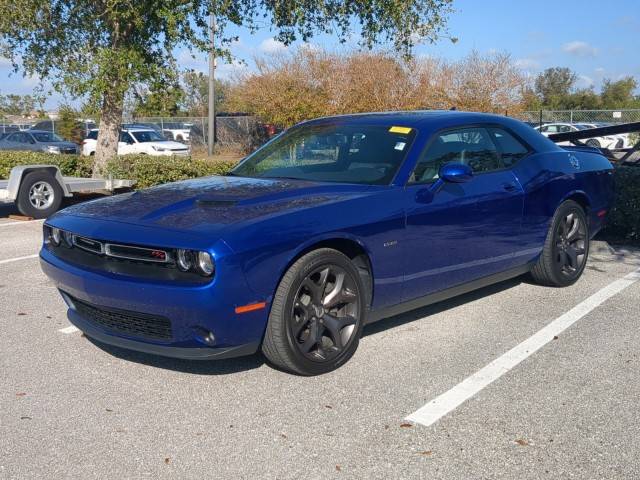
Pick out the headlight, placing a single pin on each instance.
(67, 238)
(185, 260)
(159, 149)
(200, 262)
(205, 264)
(56, 236)
(53, 149)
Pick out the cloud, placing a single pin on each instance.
(580, 49)
(271, 45)
(527, 64)
(230, 70)
(584, 82)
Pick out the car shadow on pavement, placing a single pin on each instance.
(439, 307)
(195, 367)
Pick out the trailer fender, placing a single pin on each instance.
(17, 174)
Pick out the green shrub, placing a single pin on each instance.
(72, 165)
(624, 220)
(148, 171)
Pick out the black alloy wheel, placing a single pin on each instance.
(571, 237)
(317, 314)
(566, 248)
(324, 313)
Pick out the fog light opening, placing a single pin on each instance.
(205, 336)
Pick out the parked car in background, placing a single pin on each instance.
(609, 141)
(178, 131)
(85, 126)
(37, 141)
(7, 129)
(334, 224)
(138, 140)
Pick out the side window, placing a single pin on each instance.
(470, 146)
(14, 137)
(93, 135)
(126, 138)
(552, 129)
(511, 150)
(564, 128)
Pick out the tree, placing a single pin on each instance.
(161, 101)
(100, 48)
(307, 83)
(13, 104)
(67, 125)
(554, 85)
(620, 94)
(196, 93)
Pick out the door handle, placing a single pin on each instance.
(509, 187)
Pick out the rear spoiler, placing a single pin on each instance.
(623, 156)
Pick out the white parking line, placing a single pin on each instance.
(22, 222)
(17, 259)
(450, 400)
(70, 329)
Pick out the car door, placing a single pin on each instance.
(464, 231)
(21, 141)
(126, 145)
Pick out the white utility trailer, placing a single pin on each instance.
(38, 190)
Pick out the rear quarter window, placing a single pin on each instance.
(511, 149)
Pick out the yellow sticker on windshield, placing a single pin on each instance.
(400, 130)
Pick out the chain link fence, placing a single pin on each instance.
(580, 116)
(242, 132)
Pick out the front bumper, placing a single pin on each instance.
(191, 310)
(186, 353)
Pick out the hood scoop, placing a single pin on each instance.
(215, 202)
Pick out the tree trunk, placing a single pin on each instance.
(109, 133)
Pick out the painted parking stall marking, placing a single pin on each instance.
(69, 329)
(450, 400)
(17, 259)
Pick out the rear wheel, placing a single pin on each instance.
(317, 314)
(40, 195)
(566, 247)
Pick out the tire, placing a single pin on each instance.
(40, 195)
(301, 336)
(566, 248)
(593, 143)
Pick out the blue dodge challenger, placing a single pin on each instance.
(333, 224)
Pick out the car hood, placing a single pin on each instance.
(212, 203)
(60, 144)
(168, 144)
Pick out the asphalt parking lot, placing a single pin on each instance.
(71, 408)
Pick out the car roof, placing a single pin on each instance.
(414, 118)
(130, 129)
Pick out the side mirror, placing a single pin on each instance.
(455, 173)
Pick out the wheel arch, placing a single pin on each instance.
(580, 197)
(18, 173)
(347, 245)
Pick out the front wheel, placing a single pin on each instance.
(317, 314)
(566, 247)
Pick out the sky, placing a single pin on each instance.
(595, 39)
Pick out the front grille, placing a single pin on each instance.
(124, 321)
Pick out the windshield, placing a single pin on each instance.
(46, 137)
(332, 153)
(148, 136)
